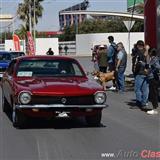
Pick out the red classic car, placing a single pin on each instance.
(47, 86)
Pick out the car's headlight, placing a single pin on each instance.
(25, 97)
(100, 97)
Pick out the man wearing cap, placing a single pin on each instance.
(140, 73)
(102, 59)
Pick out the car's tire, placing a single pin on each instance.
(94, 120)
(5, 105)
(18, 119)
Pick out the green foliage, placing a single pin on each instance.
(98, 26)
(138, 27)
(101, 26)
(4, 36)
(23, 12)
(69, 34)
(22, 32)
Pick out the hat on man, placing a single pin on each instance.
(140, 43)
(101, 46)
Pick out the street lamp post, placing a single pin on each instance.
(34, 23)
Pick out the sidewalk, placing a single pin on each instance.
(88, 64)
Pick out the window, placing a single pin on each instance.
(4, 57)
(49, 68)
(11, 66)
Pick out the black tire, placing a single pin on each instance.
(5, 105)
(94, 120)
(18, 119)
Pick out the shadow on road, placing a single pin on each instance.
(133, 105)
(54, 123)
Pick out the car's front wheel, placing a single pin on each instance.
(18, 119)
(94, 120)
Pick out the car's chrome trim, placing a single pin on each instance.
(44, 106)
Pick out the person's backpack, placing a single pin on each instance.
(115, 53)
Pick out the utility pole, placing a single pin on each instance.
(34, 24)
(30, 17)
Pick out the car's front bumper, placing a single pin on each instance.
(52, 106)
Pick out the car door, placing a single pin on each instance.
(7, 82)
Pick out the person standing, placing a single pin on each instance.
(95, 57)
(65, 49)
(60, 49)
(121, 66)
(111, 58)
(140, 72)
(102, 59)
(134, 55)
(154, 80)
(50, 52)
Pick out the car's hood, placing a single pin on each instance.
(59, 86)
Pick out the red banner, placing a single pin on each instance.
(31, 48)
(16, 42)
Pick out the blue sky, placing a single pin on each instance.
(49, 20)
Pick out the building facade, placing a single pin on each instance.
(70, 19)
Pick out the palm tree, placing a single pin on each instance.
(23, 11)
(140, 8)
(26, 10)
(21, 32)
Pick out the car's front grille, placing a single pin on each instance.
(76, 100)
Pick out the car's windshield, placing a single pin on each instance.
(48, 68)
(4, 57)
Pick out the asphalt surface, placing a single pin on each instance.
(124, 134)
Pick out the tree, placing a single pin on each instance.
(24, 14)
(140, 8)
(138, 26)
(21, 32)
(101, 26)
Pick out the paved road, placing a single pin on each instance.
(124, 134)
(123, 131)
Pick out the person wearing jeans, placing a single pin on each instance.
(121, 79)
(121, 66)
(141, 89)
(111, 57)
(140, 73)
(154, 80)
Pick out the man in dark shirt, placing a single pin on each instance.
(140, 72)
(50, 52)
(154, 80)
(111, 57)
